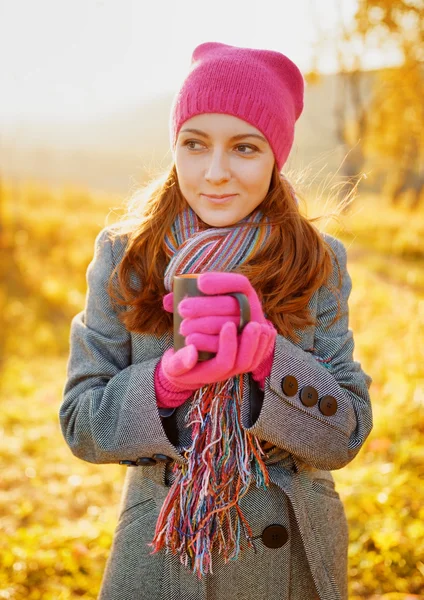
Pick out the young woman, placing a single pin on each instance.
(228, 492)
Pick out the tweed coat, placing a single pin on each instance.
(109, 415)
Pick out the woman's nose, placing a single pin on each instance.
(218, 169)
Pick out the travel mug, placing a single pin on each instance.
(186, 286)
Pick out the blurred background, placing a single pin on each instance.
(86, 88)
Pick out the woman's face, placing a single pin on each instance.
(224, 167)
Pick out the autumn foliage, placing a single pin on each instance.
(58, 513)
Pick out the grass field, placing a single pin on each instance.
(58, 513)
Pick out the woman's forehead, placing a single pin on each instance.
(216, 125)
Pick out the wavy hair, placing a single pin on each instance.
(295, 262)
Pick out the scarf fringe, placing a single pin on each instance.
(201, 511)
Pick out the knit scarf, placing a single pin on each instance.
(201, 511)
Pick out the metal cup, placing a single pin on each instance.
(185, 286)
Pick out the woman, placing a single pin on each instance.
(229, 492)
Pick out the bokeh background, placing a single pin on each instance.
(86, 88)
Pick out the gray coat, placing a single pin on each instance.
(109, 415)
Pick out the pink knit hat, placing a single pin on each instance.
(262, 87)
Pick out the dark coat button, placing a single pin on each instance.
(309, 396)
(274, 536)
(289, 385)
(162, 458)
(328, 405)
(127, 463)
(145, 461)
(165, 413)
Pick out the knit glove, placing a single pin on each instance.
(234, 355)
(179, 373)
(204, 317)
(168, 395)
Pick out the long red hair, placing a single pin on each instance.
(295, 262)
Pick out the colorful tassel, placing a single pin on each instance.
(201, 511)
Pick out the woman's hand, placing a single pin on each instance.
(234, 355)
(204, 317)
(216, 302)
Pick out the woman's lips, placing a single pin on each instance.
(219, 199)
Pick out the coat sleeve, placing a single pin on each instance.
(109, 411)
(328, 431)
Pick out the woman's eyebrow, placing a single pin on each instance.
(239, 136)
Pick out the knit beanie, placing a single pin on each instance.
(262, 87)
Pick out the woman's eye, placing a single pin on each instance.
(246, 149)
(191, 144)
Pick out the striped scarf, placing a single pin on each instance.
(201, 511)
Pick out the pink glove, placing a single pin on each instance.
(178, 374)
(205, 316)
(219, 284)
(234, 355)
(168, 395)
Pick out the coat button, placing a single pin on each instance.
(164, 413)
(289, 385)
(328, 405)
(162, 458)
(309, 396)
(274, 536)
(145, 461)
(127, 463)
